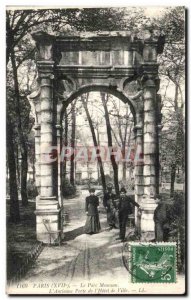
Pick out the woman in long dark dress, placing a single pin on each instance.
(92, 222)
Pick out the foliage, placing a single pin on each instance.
(31, 189)
(67, 188)
(177, 227)
(106, 19)
(172, 74)
(108, 180)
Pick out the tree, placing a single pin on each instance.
(100, 19)
(124, 124)
(95, 141)
(14, 202)
(73, 142)
(65, 143)
(104, 99)
(172, 72)
(19, 23)
(23, 145)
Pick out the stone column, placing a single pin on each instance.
(159, 158)
(138, 166)
(47, 206)
(58, 135)
(138, 163)
(150, 155)
(37, 157)
(159, 128)
(34, 100)
(60, 197)
(150, 84)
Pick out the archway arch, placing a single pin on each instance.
(106, 88)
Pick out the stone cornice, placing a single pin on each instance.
(103, 40)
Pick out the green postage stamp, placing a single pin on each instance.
(152, 262)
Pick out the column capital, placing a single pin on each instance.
(46, 69)
(44, 45)
(150, 79)
(153, 44)
(46, 76)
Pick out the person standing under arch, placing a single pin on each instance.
(110, 205)
(125, 209)
(92, 224)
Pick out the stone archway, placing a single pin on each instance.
(109, 61)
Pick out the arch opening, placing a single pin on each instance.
(105, 88)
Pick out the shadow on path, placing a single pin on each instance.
(71, 235)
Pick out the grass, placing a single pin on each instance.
(21, 240)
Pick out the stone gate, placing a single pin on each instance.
(109, 62)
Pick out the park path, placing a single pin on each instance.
(83, 264)
(81, 256)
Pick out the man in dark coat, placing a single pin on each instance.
(110, 206)
(160, 219)
(125, 209)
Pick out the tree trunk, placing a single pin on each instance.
(14, 202)
(179, 150)
(174, 164)
(24, 150)
(123, 150)
(124, 165)
(17, 165)
(124, 171)
(95, 144)
(33, 171)
(172, 179)
(109, 135)
(24, 171)
(157, 165)
(64, 162)
(73, 136)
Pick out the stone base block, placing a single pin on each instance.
(147, 223)
(48, 226)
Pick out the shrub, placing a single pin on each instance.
(31, 189)
(108, 179)
(177, 227)
(67, 188)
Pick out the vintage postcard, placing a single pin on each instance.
(95, 129)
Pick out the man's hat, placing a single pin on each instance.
(123, 190)
(92, 190)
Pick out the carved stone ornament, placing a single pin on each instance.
(66, 86)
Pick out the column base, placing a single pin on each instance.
(48, 221)
(147, 225)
